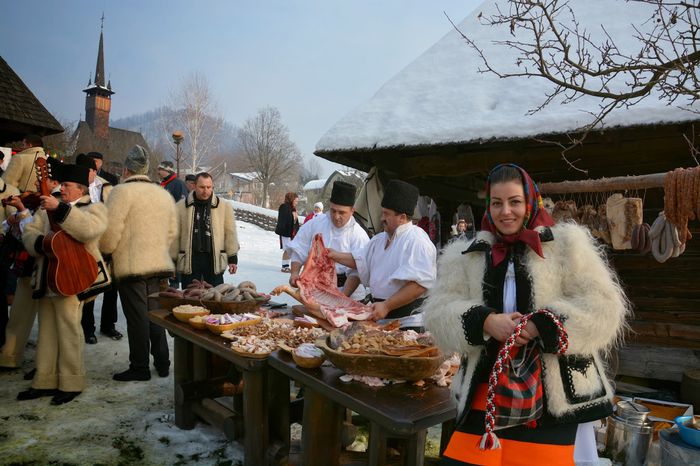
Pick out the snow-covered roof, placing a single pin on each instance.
(315, 184)
(442, 98)
(250, 176)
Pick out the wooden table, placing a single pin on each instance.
(257, 415)
(401, 411)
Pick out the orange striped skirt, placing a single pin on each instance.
(520, 445)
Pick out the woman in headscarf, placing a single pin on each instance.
(287, 225)
(532, 307)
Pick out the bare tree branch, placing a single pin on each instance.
(268, 150)
(550, 43)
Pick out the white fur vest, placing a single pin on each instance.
(573, 281)
(142, 226)
(83, 221)
(224, 236)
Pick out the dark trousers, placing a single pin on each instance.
(108, 316)
(202, 269)
(142, 333)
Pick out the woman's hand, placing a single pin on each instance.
(501, 326)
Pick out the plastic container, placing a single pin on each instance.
(675, 452)
(690, 435)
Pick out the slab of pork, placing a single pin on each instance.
(318, 291)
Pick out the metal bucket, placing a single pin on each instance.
(628, 434)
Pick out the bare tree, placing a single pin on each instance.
(310, 170)
(269, 152)
(551, 44)
(62, 144)
(193, 111)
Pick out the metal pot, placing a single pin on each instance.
(628, 434)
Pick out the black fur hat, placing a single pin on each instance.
(400, 197)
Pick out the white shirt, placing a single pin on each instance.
(349, 238)
(96, 189)
(410, 256)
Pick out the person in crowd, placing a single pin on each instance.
(399, 264)
(8, 281)
(208, 241)
(339, 230)
(190, 182)
(545, 291)
(19, 268)
(318, 210)
(287, 226)
(99, 189)
(60, 369)
(20, 172)
(169, 180)
(142, 226)
(99, 161)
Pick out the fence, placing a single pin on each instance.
(265, 222)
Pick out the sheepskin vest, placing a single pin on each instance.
(85, 222)
(142, 226)
(573, 281)
(224, 236)
(7, 190)
(20, 171)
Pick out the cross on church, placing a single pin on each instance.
(102, 23)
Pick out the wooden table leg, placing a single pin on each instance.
(415, 449)
(182, 372)
(321, 430)
(278, 410)
(376, 451)
(255, 418)
(200, 363)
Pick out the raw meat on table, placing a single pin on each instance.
(318, 291)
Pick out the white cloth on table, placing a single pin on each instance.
(349, 238)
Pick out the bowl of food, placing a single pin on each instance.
(689, 429)
(185, 312)
(219, 323)
(198, 322)
(308, 356)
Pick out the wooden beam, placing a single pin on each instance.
(656, 362)
(601, 185)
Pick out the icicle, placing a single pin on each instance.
(489, 441)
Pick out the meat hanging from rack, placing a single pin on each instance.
(682, 199)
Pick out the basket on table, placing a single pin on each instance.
(379, 365)
(184, 312)
(218, 329)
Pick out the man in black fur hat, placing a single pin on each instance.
(399, 264)
(339, 230)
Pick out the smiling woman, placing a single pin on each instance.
(532, 307)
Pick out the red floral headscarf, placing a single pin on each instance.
(535, 216)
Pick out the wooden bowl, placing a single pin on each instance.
(232, 307)
(378, 365)
(186, 316)
(307, 363)
(219, 329)
(197, 325)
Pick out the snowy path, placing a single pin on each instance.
(124, 423)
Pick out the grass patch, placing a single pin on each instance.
(129, 452)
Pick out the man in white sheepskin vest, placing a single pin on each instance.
(208, 242)
(142, 226)
(60, 368)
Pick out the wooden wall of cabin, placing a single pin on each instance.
(665, 329)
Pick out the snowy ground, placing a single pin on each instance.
(117, 423)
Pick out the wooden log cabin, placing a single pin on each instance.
(442, 125)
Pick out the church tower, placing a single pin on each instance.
(98, 101)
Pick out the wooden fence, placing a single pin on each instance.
(265, 222)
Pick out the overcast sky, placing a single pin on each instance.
(315, 60)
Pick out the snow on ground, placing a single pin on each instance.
(124, 423)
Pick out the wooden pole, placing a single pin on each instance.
(618, 183)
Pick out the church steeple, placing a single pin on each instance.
(99, 96)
